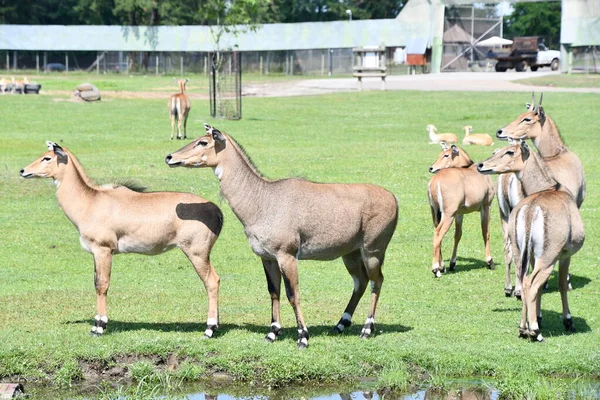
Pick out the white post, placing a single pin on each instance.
(37, 62)
(260, 68)
(157, 64)
(181, 64)
(66, 62)
(97, 63)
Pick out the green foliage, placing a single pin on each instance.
(535, 19)
(429, 331)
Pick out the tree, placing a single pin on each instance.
(535, 19)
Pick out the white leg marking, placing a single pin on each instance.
(212, 321)
(568, 315)
(100, 330)
(346, 317)
(271, 336)
(208, 333)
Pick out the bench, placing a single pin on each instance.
(361, 73)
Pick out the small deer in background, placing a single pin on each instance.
(481, 139)
(19, 85)
(179, 109)
(440, 137)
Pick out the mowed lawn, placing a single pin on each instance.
(429, 332)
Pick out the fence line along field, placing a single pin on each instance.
(429, 332)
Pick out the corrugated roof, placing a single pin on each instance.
(298, 36)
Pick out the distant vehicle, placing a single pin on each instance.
(55, 67)
(527, 51)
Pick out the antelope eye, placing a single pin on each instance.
(446, 155)
(509, 153)
(202, 143)
(527, 119)
(46, 159)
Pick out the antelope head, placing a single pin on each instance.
(451, 157)
(511, 158)
(527, 125)
(181, 83)
(48, 165)
(202, 152)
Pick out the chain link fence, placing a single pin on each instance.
(319, 62)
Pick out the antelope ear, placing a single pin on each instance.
(175, 79)
(186, 80)
(454, 150)
(539, 110)
(56, 149)
(525, 152)
(215, 133)
(444, 145)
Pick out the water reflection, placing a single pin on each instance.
(463, 394)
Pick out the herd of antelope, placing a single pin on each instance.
(13, 85)
(286, 220)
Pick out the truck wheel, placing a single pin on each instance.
(500, 68)
(534, 68)
(554, 65)
(520, 66)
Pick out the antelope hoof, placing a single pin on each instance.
(490, 264)
(536, 336)
(210, 331)
(508, 292)
(523, 333)
(274, 333)
(302, 339)
(568, 323)
(95, 333)
(452, 266)
(341, 326)
(437, 273)
(539, 321)
(367, 330)
(518, 294)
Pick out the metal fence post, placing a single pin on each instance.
(66, 62)
(37, 62)
(181, 63)
(14, 60)
(157, 64)
(7, 62)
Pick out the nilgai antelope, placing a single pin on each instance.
(441, 137)
(564, 165)
(179, 109)
(293, 219)
(481, 139)
(457, 189)
(114, 219)
(544, 228)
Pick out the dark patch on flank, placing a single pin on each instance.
(207, 213)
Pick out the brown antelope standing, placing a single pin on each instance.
(440, 137)
(114, 219)
(481, 139)
(544, 228)
(290, 219)
(564, 165)
(457, 189)
(3, 85)
(179, 109)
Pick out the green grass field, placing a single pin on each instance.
(430, 332)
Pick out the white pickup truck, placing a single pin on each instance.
(527, 51)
